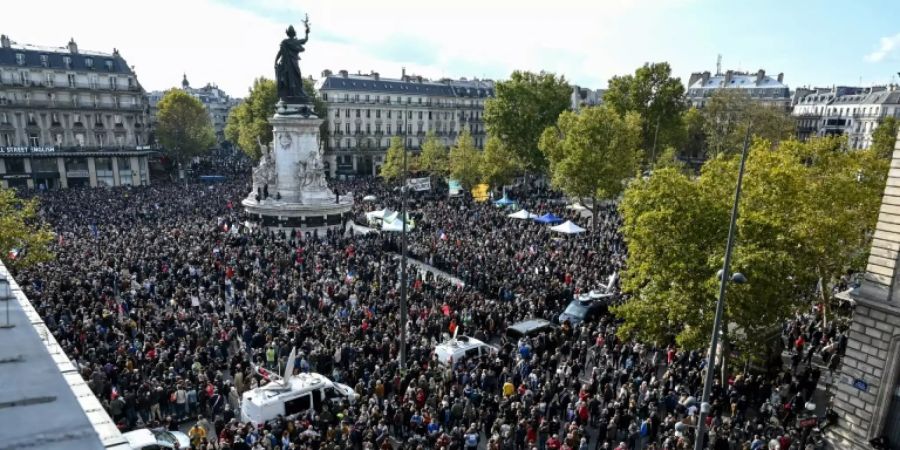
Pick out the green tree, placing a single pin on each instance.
(884, 137)
(465, 161)
(668, 158)
(22, 231)
(806, 212)
(434, 157)
(522, 108)
(729, 112)
(653, 93)
(248, 123)
(183, 126)
(499, 164)
(392, 169)
(592, 152)
(694, 145)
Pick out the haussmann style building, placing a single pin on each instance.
(70, 118)
(366, 110)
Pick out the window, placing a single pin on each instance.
(388, 129)
(49, 80)
(420, 100)
(368, 114)
(71, 77)
(346, 113)
(54, 119)
(4, 118)
(368, 129)
(429, 115)
(6, 140)
(325, 97)
(79, 139)
(420, 115)
(34, 140)
(89, 63)
(337, 113)
(24, 77)
(357, 113)
(20, 59)
(355, 97)
(44, 61)
(347, 127)
(118, 119)
(58, 139)
(389, 114)
(409, 114)
(109, 65)
(31, 119)
(113, 83)
(367, 97)
(377, 113)
(99, 138)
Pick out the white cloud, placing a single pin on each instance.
(887, 47)
(230, 45)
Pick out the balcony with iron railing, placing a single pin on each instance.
(66, 104)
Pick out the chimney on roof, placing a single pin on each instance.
(694, 77)
(73, 47)
(419, 78)
(403, 74)
(728, 75)
(326, 73)
(781, 77)
(376, 76)
(343, 73)
(760, 76)
(705, 77)
(4, 41)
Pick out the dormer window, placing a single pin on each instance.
(89, 63)
(109, 65)
(67, 61)
(45, 62)
(20, 59)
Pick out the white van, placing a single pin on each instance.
(288, 395)
(294, 395)
(453, 349)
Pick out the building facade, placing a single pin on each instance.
(867, 390)
(854, 112)
(758, 86)
(216, 101)
(70, 118)
(584, 97)
(366, 111)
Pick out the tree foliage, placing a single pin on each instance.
(884, 137)
(248, 122)
(392, 169)
(465, 161)
(434, 157)
(183, 126)
(499, 164)
(21, 230)
(653, 93)
(729, 112)
(806, 212)
(522, 108)
(592, 152)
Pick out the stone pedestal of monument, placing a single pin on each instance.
(291, 172)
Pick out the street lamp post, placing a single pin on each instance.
(403, 282)
(705, 407)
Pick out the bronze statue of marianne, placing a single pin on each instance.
(287, 69)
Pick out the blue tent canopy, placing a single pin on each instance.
(548, 218)
(505, 202)
(212, 178)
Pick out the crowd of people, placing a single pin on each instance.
(166, 297)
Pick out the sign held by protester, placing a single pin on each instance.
(419, 184)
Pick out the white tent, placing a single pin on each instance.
(397, 225)
(522, 214)
(370, 198)
(583, 211)
(374, 216)
(568, 227)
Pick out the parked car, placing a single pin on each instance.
(157, 439)
(530, 327)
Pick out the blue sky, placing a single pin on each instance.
(230, 42)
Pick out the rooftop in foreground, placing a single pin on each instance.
(44, 402)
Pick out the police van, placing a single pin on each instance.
(291, 395)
